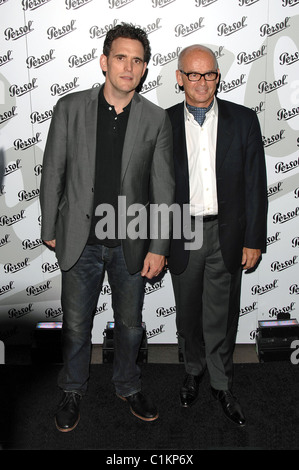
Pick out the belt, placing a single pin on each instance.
(206, 218)
(209, 218)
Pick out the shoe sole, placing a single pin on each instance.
(135, 414)
(68, 429)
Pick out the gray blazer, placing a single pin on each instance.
(66, 192)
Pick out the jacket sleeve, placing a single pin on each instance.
(256, 200)
(162, 191)
(53, 172)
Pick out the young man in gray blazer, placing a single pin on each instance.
(107, 148)
(220, 172)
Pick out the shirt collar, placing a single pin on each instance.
(213, 112)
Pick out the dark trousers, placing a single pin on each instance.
(81, 287)
(207, 303)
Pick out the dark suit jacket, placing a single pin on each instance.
(241, 183)
(66, 193)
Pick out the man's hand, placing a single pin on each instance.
(250, 257)
(50, 243)
(153, 265)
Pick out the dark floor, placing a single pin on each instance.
(156, 353)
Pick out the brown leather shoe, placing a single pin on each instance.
(141, 406)
(68, 416)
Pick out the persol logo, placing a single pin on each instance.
(155, 332)
(50, 268)
(75, 4)
(267, 30)
(58, 33)
(99, 32)
(4, 59)
(33, 4)
(61, 90)
(119, 3)
(38, 118)
(183, 30)
(101, 308)
(273, 190)
(37, 290)
(20, 90)
(274, 138)
(53, 313)
(12, 167)
(10, 268)
(31, 244)
(37, 62)
(18, 313)
(13, 219)
(75, 61)
(4, 240)
(265, 87)
(204, 3)
(165, 312)
(273, 238)
(248, 309)
(226, 87)
(151, 85)
(20, 144)
(248, 58)
(280, 218)
(282, 167)
(161, 3)
(283, 265)
(7, 288)
(227, 30)
(160, 59)
(261, 290)
(14, 35)
(7, 115)
(151, 288)
(274, 311)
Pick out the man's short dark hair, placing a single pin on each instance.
(125, 30)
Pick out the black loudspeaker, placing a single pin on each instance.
(46, 345)
(274, 339)
(108, 344)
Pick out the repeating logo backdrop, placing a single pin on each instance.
(52, 47)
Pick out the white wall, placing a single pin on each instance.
(52, 47)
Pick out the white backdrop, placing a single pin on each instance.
(52, 47)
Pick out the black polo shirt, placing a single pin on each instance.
(111, 131)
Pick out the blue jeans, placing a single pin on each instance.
(81, 287)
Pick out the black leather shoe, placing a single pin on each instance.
(141, 406)
(189, 390)
(230, 406)
(68, 416)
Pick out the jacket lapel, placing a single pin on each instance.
(179, 141)
(134, 122)
(91, 118)
(224, 134)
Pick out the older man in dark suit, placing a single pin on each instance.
(220, 172)
(108, 149)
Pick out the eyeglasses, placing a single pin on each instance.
(196, 76)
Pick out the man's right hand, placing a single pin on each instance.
(51, 243)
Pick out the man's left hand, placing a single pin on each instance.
(153, 265)
(250, 257)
